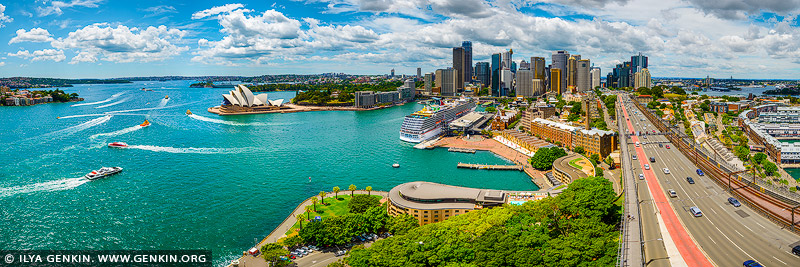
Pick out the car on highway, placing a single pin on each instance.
(666, 170)
(752, 263)
(667, 146)
(647, 166)
(637, 144)
(690, 180)
(672, 193)
(796, 250)
(634, 157)
(641, 176)
(660, 145)
(700, 172)
(696, 212)
(652, 159)
(645, 137)
(734, 202)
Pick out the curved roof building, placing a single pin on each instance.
(432, 202)
(243, 97)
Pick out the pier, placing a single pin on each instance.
(461, 150)
(490, 167)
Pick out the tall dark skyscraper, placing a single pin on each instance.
(468, 73)
(638, 62)
(458, 65)
(560, 62)
(483, 73)
(496, 61)
(537, 66)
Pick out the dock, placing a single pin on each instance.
(461, 150)
(490, 167)
(427, 144)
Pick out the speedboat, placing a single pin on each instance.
(102, 173)
(396, 165)
(117, 144)
(145, 123)
(188, 112)
(166, 97)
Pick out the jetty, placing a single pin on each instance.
(490, 167)
(427, 144)
(461, 150)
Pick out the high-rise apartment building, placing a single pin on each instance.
(428, 83)
(559, 61)
(524, 83)
(496, 66)
(555, 81)
(483, 73)
(642, 79)
(458, 65)
(594, 75)
(583, 79)
(449, 81)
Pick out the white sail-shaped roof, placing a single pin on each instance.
(248, 95)
(231, 99)
(276, 103)
(263, 98)
(240, 98)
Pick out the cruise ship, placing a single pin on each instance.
(428, 122)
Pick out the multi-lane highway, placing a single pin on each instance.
(724, 234)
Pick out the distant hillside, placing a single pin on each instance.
(28, 82)
(576, 228)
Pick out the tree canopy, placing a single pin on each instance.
(361, 203)
(544, 157)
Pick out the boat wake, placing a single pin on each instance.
(189, 150)
(198, 117)
(81, 127)
(119, 132)
(114, 96)
(114, 104)
(163, 102)
(58, 185)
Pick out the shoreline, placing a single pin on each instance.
(491, 145)
(292, 108)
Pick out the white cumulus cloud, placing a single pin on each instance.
(3, 17)
(122, 44)
(55, 7)
(38, 55)
(34, 35)
(216, 10)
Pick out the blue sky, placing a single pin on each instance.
(103, 38)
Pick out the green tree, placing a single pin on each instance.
(769, 167)
(610, 162)
(361, 203)
(491, 109)
(759, 157)
(271, 252)
(308, 212)
(352, 189)
(578, 149)
(595, 157)
(291, 241)
(741, 152)
(544, 157)
(322, 197)
(598, 172)
(401, 224)
(576, 107)
(314, 203)
(369, 190)
(300, 218)
(336, 192)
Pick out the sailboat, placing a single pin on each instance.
(145, 123)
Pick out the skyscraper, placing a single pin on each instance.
(449, 80)
(496, 66)
(458, 65)
(524, 83)
(625, 75)
(507, 59)
(392, 72)
(506, 82)
(594, 75)
(524, 65)
(555, 81)
(419, 72)
(642, 79)
(429, 83)
(483, 73)
(572, 69)
(584, 82)
(468, 73)
(537, 66)
(638, 62)
(559, 62)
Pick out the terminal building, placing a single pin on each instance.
(432, 202)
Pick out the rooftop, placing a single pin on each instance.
(430, 196)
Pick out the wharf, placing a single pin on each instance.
(428, 144)
(462, 150)
(490, 167)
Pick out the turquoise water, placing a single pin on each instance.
(205, 181)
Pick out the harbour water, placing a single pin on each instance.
(200, 181)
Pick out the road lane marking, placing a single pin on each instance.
(740, 234)
(779, 260)
(712, 240)
(712, 210)
(761, 225)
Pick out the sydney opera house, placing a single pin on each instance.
(241, 99)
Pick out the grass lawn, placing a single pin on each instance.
(332, 207)
(573, 164)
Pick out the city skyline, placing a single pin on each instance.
(102, 39)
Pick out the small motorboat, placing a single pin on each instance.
(102, 173)
(166, 97)
(396, 165)
(117, 144)
(188, 112)
(145, 123)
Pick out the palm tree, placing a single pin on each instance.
(352, 189)
(314, 202)
(369, 190)
(322, 196)
(308, 211)
(336, 192)
(300, 218)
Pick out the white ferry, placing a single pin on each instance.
(428, 122)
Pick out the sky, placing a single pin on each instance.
(747, 39)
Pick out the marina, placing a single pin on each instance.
(461, 150)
